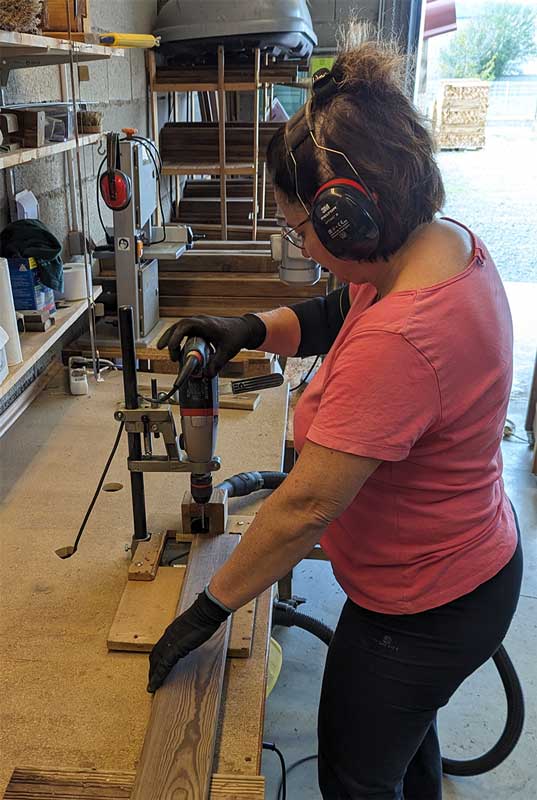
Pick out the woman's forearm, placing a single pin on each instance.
(276, 541)
(283, 331)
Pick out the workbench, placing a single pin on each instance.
(67, 702)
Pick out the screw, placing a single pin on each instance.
(139, 563)
(154, 427)
(127, 548)
(119, 416)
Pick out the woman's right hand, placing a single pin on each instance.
(228, 335)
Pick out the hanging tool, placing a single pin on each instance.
(115, 185)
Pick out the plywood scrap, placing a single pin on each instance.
(146, 608)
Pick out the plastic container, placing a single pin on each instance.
(3, 355)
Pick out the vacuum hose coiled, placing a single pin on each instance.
(286, 615)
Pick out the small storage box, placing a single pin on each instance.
(29, 294)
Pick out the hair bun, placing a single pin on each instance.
(376, 67)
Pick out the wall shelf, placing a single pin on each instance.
(22, 50)
(35, 345)
(27, 154)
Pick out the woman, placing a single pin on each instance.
(399, 472)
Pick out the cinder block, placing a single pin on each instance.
(129, 16)
(97, 89)
(138, 75)
(33, 85)
(53, 210)
(45, 175)
(119, 79)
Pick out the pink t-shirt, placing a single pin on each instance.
(420, 380)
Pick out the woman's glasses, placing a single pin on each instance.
(292, 235)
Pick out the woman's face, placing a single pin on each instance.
(297, 218)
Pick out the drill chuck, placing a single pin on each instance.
(201, 488)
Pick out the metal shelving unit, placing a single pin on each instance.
(21, 51)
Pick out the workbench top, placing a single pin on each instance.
(67, 701)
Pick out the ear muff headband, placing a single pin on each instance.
(340, 182)
(358, 214)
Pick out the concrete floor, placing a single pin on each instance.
(474, 719)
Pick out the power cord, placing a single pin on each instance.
(306, 376)
(282, 789)
(67, 552)
(509, 429)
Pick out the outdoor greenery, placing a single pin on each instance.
(492, 45)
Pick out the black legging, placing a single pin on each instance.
(386, 676)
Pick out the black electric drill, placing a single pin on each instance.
(198, 400)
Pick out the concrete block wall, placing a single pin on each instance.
(117, 87)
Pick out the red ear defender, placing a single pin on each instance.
(116, 189)
(346, 219)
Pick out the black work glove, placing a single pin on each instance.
(228, 335)
(190, 630)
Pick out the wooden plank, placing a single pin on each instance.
(227, 306)
(235, 286)
(242, 631)
(146, 608)
(241, 402)
(222, 140)
(145, 562)
(257, 67)
(237, 787)
(218, 244)
(178, 749)
(30, 783)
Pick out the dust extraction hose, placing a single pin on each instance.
(245, 483)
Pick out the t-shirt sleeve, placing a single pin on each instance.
(379, 397)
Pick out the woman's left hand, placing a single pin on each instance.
(190, 630)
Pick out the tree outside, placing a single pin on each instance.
(493, 45)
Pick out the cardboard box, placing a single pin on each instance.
(28, 291)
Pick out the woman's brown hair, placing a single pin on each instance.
(375, 124)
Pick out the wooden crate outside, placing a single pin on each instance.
(460, 114)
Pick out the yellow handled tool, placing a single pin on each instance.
(129, 40)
